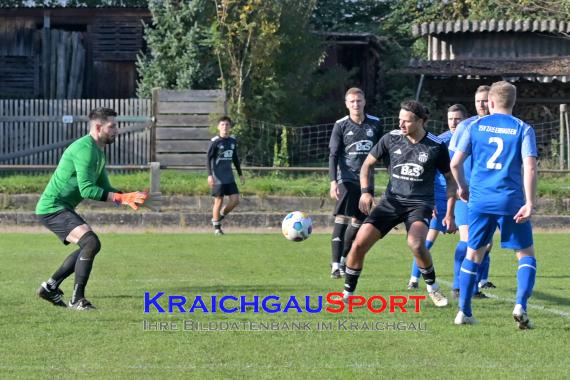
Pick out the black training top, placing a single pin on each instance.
(349, 145)
(221, 153)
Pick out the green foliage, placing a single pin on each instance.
(179, 50)
(349, 15)
(73, 3)
(281, 151)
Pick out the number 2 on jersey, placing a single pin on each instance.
(491, 164)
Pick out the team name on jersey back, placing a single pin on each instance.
(497, 144)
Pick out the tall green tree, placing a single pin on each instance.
(179, 51)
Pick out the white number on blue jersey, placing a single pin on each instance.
(491, 164)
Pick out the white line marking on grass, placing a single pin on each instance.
(561, 313)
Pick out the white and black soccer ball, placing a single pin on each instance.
(297, 226)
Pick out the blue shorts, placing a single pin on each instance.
(461, 213)
(513, 236)
(436, 223)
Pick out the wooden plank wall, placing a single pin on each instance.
(33, 129)
(183, 121)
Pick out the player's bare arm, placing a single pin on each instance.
(456, 166)
(449, 219)
(530, 179)
(366, 199)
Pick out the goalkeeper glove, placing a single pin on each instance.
(134, 200)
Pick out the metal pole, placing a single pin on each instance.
(566, 122)
(419, 90)
(561, 138)
(155, 193)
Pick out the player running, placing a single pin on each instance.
(412, 156)
(455, 114)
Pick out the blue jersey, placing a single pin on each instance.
(440, 187)
(497, 143)
(459, 131)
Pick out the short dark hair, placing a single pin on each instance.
(102, 113)
(417, 108)
(458, 108)
(226, 118)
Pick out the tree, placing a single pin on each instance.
(179, 48)
(349, 15)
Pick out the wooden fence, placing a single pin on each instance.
(36, 131)
(183, 120)
(172, 128)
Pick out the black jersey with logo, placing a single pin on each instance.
(412, 167)
(349, 145)
(221, 153)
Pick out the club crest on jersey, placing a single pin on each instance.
(423, 157)
(232, 146)
(369, 133)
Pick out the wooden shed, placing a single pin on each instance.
(70, 52)
(463, 54)
(360, 51)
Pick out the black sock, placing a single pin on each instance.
(90, 246)
(349, 237)
(65, 270)
(217, 224)
(351, 278)
(337, 241)
(428, 274)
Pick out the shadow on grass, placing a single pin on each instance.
(561, 301)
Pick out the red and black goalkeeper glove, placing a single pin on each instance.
(134, 200)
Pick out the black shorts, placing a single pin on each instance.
(390, 212)
(62, 223)
(225, 189)
(347, 203)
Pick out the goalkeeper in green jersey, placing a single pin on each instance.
(80, 175)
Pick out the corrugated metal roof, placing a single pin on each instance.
(464, 26)
(539, 70)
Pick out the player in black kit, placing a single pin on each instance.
(412, 156)
(352, 138)
(221, 153)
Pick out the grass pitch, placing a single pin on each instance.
(42, 341)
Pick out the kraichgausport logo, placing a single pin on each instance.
(274, 304)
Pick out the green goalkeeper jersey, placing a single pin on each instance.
(79, 175)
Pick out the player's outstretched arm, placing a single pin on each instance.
(133, 200)
(530, 179)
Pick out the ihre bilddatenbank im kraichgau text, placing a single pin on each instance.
(230, 304)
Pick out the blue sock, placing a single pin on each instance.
(467, 277)
(525, 279)
(429, 244)
(460, 252)
(415, 270)
(485, 267)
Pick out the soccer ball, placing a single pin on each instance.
(297, 226)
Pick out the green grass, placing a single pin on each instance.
(194, 183)
(41, 341)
